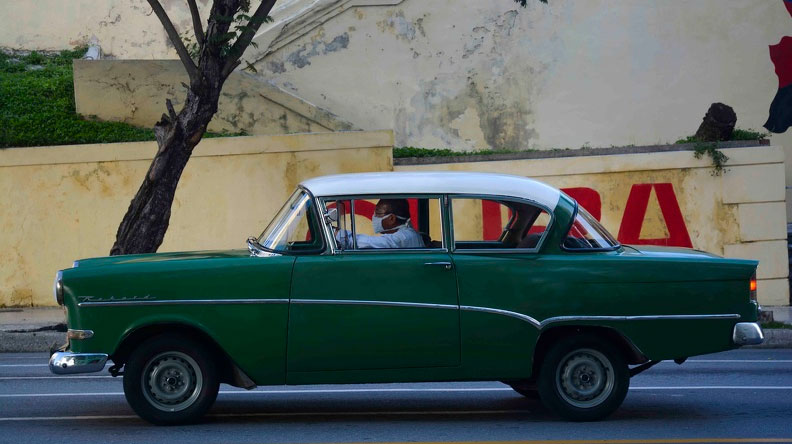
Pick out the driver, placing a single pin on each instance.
(391, 220)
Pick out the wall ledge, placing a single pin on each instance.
(580, 152)
(218, 146)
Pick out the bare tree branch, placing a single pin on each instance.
(247, 35)
(186, 60)
(196, 19)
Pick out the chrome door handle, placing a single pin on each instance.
(446, 265)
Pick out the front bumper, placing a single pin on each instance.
(747, 333)
(66, 363)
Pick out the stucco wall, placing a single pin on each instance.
(64, 203)
(671, 198)
(472, 74)
(124, 28)
(134, 91)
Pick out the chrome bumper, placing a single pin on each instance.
(747, 333)
(65, 363)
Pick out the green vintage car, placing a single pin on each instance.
(405, 277)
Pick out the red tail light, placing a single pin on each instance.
(753, 287)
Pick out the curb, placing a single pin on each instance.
(41, 341)
(775, 338)
(30, 341)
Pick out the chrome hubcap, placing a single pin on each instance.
(172, 381)
(585, 378)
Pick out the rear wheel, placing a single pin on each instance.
(583, 378)
(170, 379)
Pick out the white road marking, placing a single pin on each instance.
(285, 414)
(24, 365)
(752, 361)
(61, 378)
(393, 390)
(689, 361)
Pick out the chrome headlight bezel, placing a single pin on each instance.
(58, 287)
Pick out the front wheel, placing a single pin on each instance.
(170, 379)
(583, 379)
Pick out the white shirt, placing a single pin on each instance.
(404, 237)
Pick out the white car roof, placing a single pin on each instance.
(440, 182)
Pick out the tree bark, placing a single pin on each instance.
(144, 225)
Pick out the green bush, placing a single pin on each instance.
(37, 105)
(737, 134)
(409, 151)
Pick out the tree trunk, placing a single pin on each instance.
(143, 228)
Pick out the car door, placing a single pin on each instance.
(373, 309)
(502, 282)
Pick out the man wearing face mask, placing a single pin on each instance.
(391, 220)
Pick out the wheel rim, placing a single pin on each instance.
(172, 381)
(585, 378)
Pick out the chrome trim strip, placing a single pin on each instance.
(512, 314)
(637, 318)
(185, 302)
(375, 303)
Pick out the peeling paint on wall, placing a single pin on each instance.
(302, 57)
(395, 23)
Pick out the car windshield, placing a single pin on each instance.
(587, 234)
(289, 228)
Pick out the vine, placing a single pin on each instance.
(711, 149)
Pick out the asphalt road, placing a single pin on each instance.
(744, 395)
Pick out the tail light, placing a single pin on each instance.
(753, 287)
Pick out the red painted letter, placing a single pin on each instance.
(635, 212)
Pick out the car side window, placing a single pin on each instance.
(386, 222)
(497, 224)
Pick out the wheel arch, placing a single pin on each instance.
(228, 371)
(632, 354)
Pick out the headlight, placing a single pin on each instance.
(58, 288)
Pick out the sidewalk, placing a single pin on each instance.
(37, 329)
(31, 329)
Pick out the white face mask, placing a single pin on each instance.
(376, 223)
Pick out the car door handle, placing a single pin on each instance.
(446, 265)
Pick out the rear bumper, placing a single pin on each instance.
(747, 333)
(66, 363)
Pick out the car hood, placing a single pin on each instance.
(161, 257)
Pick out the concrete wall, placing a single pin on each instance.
(64, 203)
(671, 198)
(124, 28)
(472, 74)
(134, 91)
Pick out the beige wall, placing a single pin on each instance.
(472, 74)
(738, 214)
(134, 91)
(64, 203)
